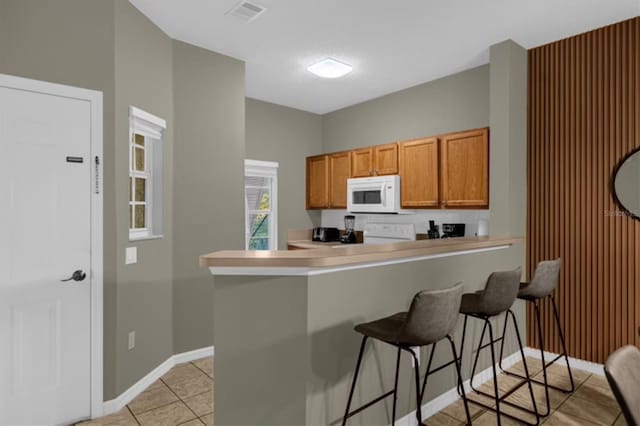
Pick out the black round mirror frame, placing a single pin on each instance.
(627, 212)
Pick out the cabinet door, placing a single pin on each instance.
(339, 172)
(464, 169)
(318, 182)
(386, 159)
(418, 164)
(362, 162)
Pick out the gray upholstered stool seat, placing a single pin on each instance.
(431, 317)
(386, 329)
(623, 374)
(496, 298)
(545, 280)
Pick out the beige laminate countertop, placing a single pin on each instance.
(351, 254)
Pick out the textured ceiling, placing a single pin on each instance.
(392, 44)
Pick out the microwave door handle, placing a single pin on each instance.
(383, 195)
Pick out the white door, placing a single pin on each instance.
(45, 235)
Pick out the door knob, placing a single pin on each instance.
(78, 275)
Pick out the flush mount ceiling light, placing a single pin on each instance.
(330, 68)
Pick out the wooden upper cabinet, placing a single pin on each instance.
(464, 169)
(339, 172)
(385, 159)
(362, 162)
(418, 166)
(318, 182)
(375, 161)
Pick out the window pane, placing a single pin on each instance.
(130, 190)
(258, 198)
(259, 244)
(141, 189)
(130, 216)
(257, 181)
(259, 231)
(139, 159)
(140, 219)
(139, 139)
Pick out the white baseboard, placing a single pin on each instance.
(576, 363)
(449, 397)
(116, 404)
(193, 355)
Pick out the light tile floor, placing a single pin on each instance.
(183, 396)
(592, 403)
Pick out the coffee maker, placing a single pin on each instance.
(349, 236)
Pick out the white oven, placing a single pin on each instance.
(379, 194)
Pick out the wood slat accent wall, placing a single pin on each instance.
(584, 116)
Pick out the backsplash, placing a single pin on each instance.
(420, 218)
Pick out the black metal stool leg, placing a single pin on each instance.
(564, 347)
(395, 389)
(460, 386)
(495, 373)
(416, 369)
(353, 383)
(475, 361)
(526, 369)
(504, 333)
(464, 335)
(426, 374)
(536, 307)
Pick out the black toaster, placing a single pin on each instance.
(325, 234)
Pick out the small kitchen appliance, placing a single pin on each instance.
(451, 230)
(325, 234)
(377, 194)
(349, 236)
(433, 231)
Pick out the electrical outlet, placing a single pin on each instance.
(132, 340)
(131, 255)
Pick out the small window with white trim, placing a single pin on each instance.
(261, 205)
(146, 133)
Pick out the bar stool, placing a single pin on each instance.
(544, 282)
(497, 298)
(431, 317)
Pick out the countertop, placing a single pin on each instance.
(352, 254)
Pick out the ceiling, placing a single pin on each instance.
(392, 44)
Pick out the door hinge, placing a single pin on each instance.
(97, 174)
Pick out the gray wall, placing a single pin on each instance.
(456, 102)
(111, 47)
(208, 181)
(508, 162)
(143, 78)
(285, 135)
(72, 42)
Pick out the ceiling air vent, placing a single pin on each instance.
(246, 11)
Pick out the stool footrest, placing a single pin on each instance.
(540, 382)
(368, 404)
(502, 413)
(505, 395)
(435, 370)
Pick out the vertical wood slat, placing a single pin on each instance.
(584, 116)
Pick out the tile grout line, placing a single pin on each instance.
(133, 415)
(181, 400)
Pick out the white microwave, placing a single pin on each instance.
(379, 194)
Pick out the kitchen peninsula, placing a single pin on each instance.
(283, 324)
